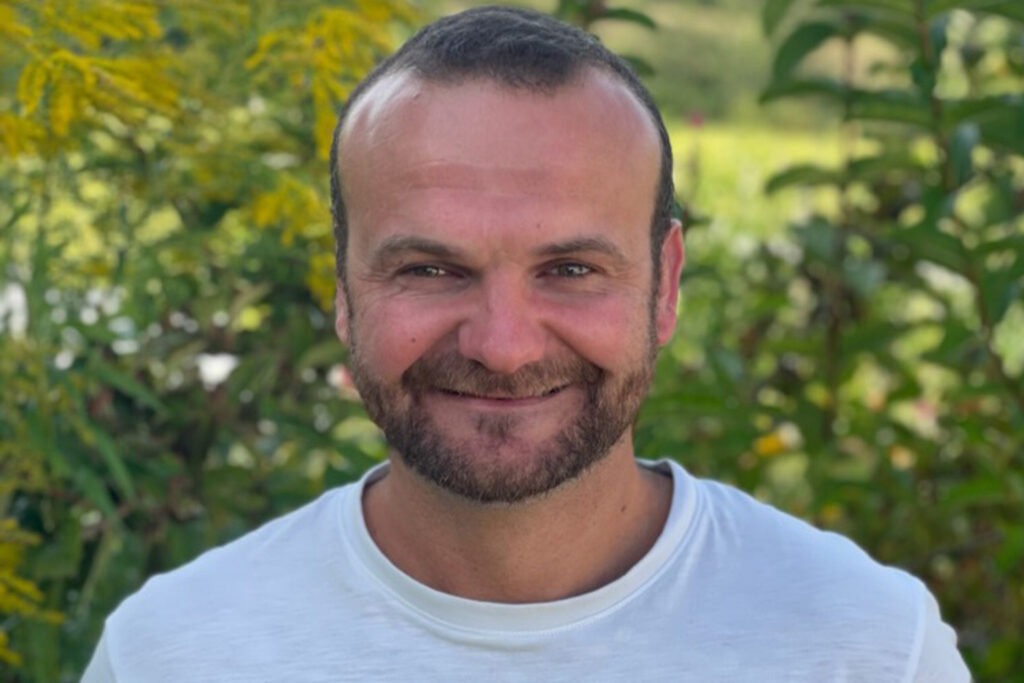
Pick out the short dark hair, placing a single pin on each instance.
(521, 49)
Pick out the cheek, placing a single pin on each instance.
(394, 335)
(609, 332)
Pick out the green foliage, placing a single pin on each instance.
(864, 369)
(164, 164)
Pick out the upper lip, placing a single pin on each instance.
(503, 396)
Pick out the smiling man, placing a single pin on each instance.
(508, 267)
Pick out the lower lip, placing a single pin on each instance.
(500, 403)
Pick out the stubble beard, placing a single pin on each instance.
(475, 468)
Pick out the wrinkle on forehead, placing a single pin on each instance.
(491, 179)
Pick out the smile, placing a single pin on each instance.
(502, 400)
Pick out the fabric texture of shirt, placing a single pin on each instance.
(732, 590)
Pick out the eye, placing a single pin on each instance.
(428, 270)
(570, 270)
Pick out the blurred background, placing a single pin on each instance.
(851, 339)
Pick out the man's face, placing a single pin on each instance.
(499, 303)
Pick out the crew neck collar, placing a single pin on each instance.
(482, 617)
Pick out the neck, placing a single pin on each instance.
(574, 539)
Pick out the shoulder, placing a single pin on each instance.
(789, 558)
(212, 596)
(809, 594)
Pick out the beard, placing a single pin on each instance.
(477, 468)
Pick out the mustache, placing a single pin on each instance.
(453, 372)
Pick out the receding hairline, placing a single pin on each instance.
(400, 76)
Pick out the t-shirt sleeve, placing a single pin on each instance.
(938, 661)
(100, 670)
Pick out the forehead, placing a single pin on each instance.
(478, 128)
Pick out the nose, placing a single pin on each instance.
(505, 330)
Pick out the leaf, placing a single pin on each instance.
(819, 238)
(955, 112)
(982, 490)
(802, 174)
(896, 106)
(956, 344)
(900, 33)
(628, 15)
(929, 244)
(801, 42)
(961, 146)
(321, 354)
(772, 13)
(92, 487)
(60, 555)
(823, 87)
(937, 39)
(1012, 9)
(112, 458)
(1010, 554)
(897, 6)
(870, 167)
(1011, 243)
(248, 295)
(1004, 127)
(999, 289)
(107, 373)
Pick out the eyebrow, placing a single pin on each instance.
(395, 246)
(577, 245)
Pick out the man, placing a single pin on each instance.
(508, 267)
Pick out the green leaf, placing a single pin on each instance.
(937, 39)
(958, 111)
(801, 42)
(999, 289)
(60, 555)
(961, 146)
(819, 238)
(322, 354)
(822, 87)
(1011, 9)
(982, 490)
(248, 295)
(803, 175)
(929, 244)
(897, 6)
(1010, 554)
(629, 15)
(896, 30)
(957, 343)
(772, 13)
(872, 334)
(896, 106)
(112, 458)
(41, 643)
(879, 165)
(1011, 243)
(1004, 127)
(92, 487)
(109, 374)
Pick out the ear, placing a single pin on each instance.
(341, 312)
(673, 256)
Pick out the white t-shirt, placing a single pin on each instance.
(733, 590)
